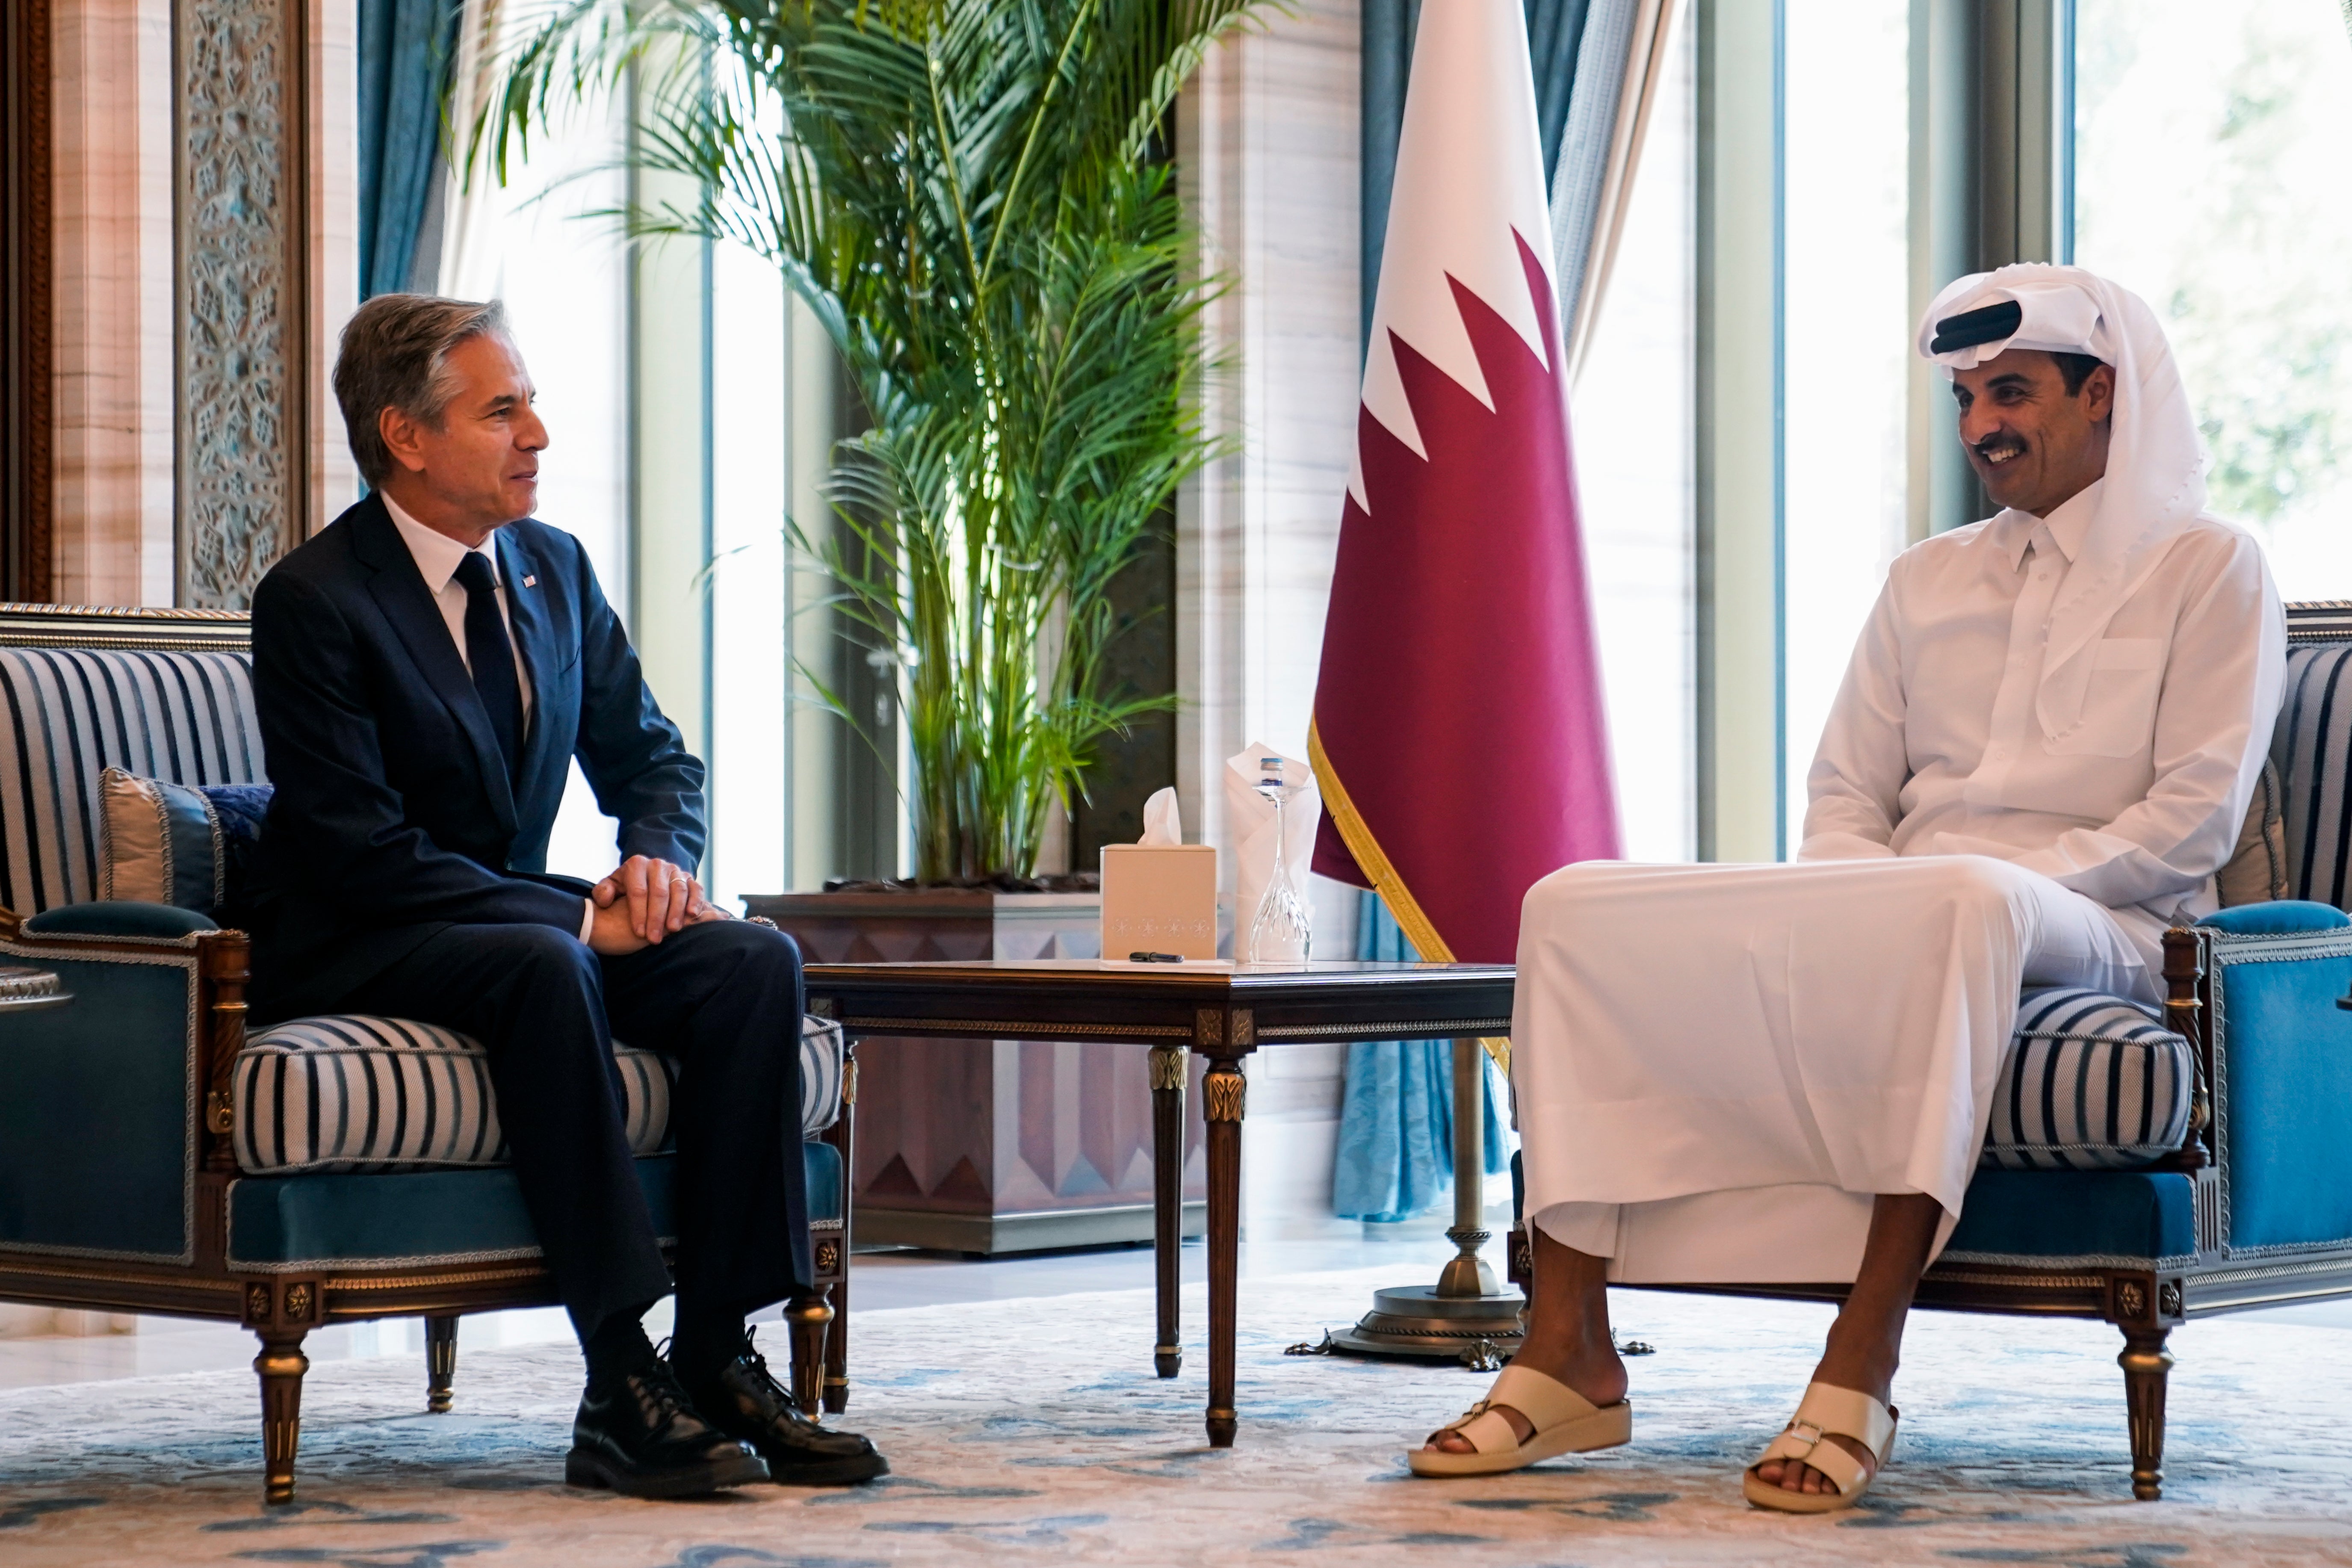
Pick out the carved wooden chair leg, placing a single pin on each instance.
(836, 1351)
(807, 1316)
(440, 1362)
(281, 1364)
(2146, 1365)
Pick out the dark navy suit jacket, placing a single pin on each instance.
(393, 816)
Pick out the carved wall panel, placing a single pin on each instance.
(241, 298)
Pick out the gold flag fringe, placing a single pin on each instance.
(1386, 881)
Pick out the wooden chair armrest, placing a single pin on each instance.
(2188, 987)
(224, 968)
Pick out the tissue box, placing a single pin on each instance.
(1160, 899)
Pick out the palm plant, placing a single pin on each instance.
(974, 197)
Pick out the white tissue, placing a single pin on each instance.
(1249, 818)
(1161, 825)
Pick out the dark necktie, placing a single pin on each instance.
(491, 655)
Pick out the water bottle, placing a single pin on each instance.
(1278, 932)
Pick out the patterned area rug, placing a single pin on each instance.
(1034, 1431)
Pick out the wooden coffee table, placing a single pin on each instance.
(1222, 1011)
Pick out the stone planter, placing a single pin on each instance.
(1006, 1146)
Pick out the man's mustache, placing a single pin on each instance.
(2001, 447)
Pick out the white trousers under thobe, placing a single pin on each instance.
(1718, 1068)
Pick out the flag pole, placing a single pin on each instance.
(1463, 1317)
(1467, 1274)
(1459, 626)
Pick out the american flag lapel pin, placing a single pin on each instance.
(530, 582)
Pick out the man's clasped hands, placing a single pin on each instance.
(643, 900)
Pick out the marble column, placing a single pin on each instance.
(1268, 153)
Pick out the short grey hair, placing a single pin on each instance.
(396, 354)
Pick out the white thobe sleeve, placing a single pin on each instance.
(2213, 720)
(1856, 781)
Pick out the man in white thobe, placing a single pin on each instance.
(2043, 751)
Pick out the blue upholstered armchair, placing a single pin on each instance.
(154, 1157)
(2148, 1172)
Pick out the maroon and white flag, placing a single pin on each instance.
(1458, 733)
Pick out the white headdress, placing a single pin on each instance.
(2156, 468)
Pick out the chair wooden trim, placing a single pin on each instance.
(283, 1309)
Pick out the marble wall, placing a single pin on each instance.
(1268, 151)
(111, 195)
(251, 240)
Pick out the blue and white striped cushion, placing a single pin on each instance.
(350, 1093)
(2313, 750)
(353, 1093)
(2093, 1083)
(185, 718)
(820, 1074)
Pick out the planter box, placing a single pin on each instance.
(1005, 1145)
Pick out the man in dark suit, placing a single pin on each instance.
(425, 670)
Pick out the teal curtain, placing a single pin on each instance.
(1396, 1129)
(1556, 34)
(404, 49)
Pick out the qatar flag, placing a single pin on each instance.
(1458, 735)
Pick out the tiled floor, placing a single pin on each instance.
(882, 1280)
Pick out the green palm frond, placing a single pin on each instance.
(974, 197)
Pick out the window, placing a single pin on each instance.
(2209, 146)
(1844, 160)
(1632, 422)
(562, 272)
(1846, 350)
(689, 406)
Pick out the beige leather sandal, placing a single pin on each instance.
(1565, 1422)
(1826, 1411)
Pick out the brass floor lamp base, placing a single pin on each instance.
(1417, 1323)
(1463, 1317)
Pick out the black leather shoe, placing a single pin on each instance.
(743, 1401)
(638, 1434)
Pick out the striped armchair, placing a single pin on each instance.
(156, 1158)
(2148, 1172)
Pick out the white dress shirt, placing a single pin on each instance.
(1934, 748)
(437, 558)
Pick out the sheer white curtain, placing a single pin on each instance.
(1846, 365)
(1623, 66)
(1632, 422)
